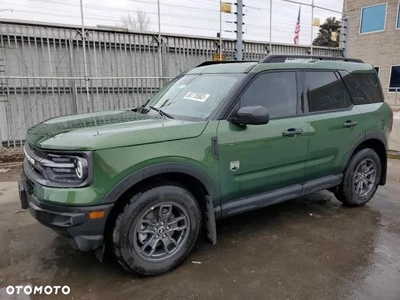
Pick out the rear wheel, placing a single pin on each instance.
(156, 230)
(361, 178)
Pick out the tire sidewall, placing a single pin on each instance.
(352, 197)
(132, 215)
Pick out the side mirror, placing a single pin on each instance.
(251, 115)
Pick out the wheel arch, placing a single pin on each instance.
(162, 170)
(182, 174)
(377, 142)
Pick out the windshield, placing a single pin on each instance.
(193, 96)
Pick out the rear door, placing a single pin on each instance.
(335, 123)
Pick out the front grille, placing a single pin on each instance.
(57, 169)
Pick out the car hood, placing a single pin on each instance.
(104, 130)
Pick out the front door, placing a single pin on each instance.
(260, 158)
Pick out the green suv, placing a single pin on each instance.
(221, 139)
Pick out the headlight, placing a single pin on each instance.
(67, 169)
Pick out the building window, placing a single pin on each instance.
(394, 84)
(377, 70)
(373, 18)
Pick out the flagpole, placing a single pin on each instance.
(312, 26)
(312, 13)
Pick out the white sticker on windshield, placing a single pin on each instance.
(201, 97)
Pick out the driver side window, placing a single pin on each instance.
(277, 92)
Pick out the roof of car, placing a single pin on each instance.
(314, 64)
(234, 67)
(304, 62)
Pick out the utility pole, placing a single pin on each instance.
(345, 39)
(239, 30)
(84, 55)
(220, 30)
(270, 26)
(160, 43)
(312, 26)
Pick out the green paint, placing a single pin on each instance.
(252, 159)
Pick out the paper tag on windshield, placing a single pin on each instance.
(201, 97)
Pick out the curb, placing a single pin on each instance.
(393, 154)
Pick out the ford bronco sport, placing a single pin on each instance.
(219, 140)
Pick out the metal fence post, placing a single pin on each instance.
(73, 82)
(122, 78)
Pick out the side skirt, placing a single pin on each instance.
(245, 204)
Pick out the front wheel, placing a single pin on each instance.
(361, 178)
(156, 230)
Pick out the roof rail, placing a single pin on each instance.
(281, 58)
(207, 63)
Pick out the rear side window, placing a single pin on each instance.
(364, 88)
(325, 92)
(277, 92)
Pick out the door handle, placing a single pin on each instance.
(349, 124)
(292, 132)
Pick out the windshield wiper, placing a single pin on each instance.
(140, 108)
(162, 113)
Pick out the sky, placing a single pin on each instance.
(197, 17)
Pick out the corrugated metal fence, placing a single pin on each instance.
(42, 69)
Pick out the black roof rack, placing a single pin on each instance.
(281, 58)
(207, 63)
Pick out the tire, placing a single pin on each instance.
(349, 191)
(155, 218)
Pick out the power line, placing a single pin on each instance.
(109, 19)
(175, 5)
(107, 8)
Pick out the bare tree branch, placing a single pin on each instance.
(140, 22)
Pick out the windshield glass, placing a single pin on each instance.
(193, 96)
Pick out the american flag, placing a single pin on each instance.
(297, 29)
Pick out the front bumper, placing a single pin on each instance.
(72, 222)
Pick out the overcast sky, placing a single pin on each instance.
(197, 17)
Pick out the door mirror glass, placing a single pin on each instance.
(251, 115)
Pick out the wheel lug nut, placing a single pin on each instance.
(155, 228)
(167, 227)
(164, 236)
(162, 223)
(157, 236)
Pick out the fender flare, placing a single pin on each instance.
(171, 167)
(374, 135)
